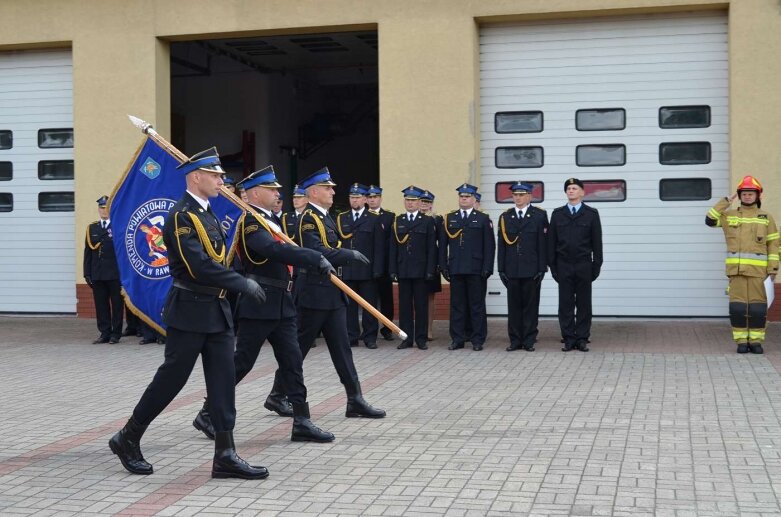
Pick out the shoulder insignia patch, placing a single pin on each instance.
(306, 227)
(251, 228)
(184, 231)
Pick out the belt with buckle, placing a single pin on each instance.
(286, 285)
(304, 271)
(197, 288)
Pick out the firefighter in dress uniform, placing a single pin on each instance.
(575, 260)
(322, 307)
(199, 322)
(521, 262)
(412, 263)
(384, 283)
(468, 260)
(752, 256)
(433, 286)
(360, 229)
(102, 275)
(267, 260)
(290, 219)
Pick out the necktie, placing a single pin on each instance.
(463, 215)
(573, 210)
(355, 216)
(520, 214)
(409, 217)
(103, 224)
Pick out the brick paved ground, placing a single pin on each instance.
(660, 418)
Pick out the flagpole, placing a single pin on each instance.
(147, 129)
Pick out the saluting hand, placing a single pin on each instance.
(733, 197)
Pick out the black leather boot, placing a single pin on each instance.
(228, 464)
(203, 421)
(303, 428)
(357, 407)
(278, 403)
(127, 445)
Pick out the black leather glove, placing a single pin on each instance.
(325, 267)
(503, 278)
(486, 274)
(253, 289)
(394, 277)
(360, 257)
(595, 270)
(89, 280)
(446, 274)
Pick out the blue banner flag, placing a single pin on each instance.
(148, 190)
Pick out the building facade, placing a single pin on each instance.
(660, 107)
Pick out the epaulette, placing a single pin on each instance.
(453, 211)
(372, 213)
(537, 207)
(343, 212)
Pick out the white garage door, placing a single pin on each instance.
(637, 108)
(36, 183)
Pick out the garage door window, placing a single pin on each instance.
(604, 191)
(55, 201)
(519, 157)
(6, 139)
(6, 202)
(518, 122)
(600, 119)
(610, 155)
(6, 171)
(55, 138)
(685, 189)
(503, 194)
(684, 153)
(55, 170)
(675, 117)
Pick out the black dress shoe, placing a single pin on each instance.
(114, 340)
(228, 464)
(566, 348)
(756, 348)
(371, 346)
(404, 344)
(101, 340)
(743, 348)
(529, 348)
(387, 335)
(477, 348)
(422, 346)
(147, 340)
(203, 422)
(582, 346)
(357, 407)
(303, 428)
(126, 444)
(279, 405)
(513, 348)
(455, 346)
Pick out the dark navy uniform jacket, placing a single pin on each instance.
(367, 236)
(197, 255)
(386, 218)
(522, 243)
(290, 225)
(575, 238)
(470, 246)
(319, 233)
(413, 250)
(267, 257)
(100, 260)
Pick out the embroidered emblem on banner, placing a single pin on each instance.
(144, 243)
(150, 168)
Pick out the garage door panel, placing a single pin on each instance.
(38, 273)
(640, 64)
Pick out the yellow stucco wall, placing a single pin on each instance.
(428, 73)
